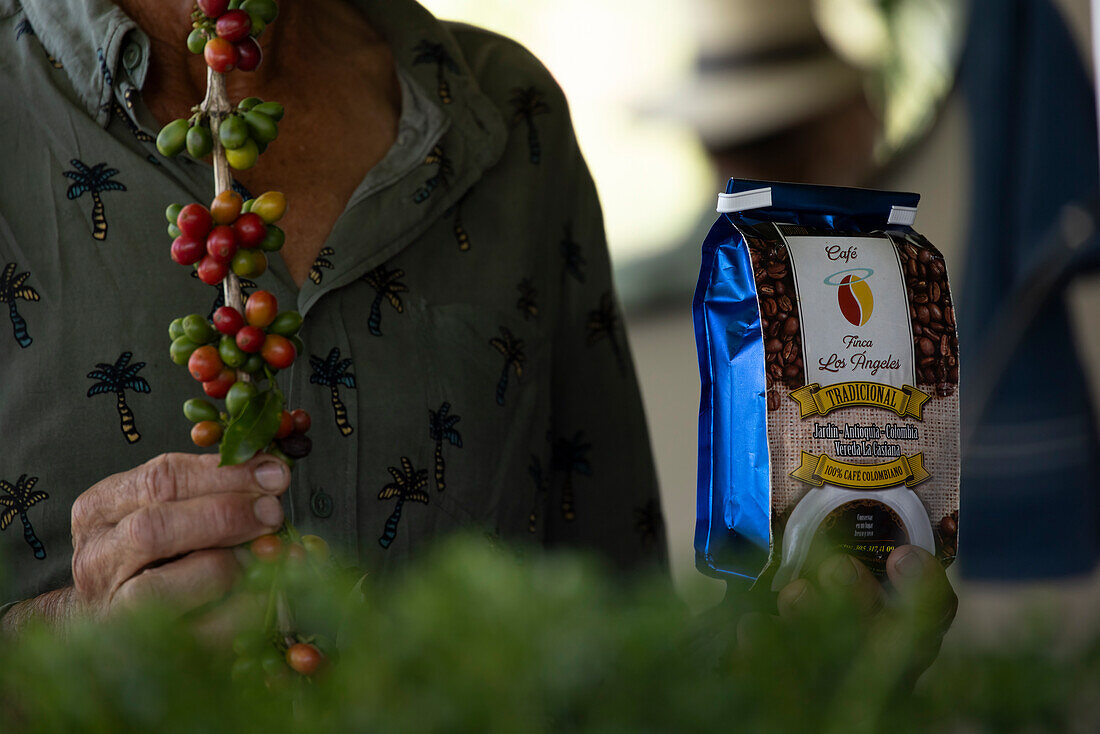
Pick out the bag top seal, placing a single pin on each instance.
(890, 207)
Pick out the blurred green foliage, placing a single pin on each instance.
(474, 639)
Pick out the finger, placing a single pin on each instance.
(843, 574)
(174, 478)
(797, 599)
(922, 584)
(190, 582)
(156, 532)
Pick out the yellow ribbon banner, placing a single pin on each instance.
(817, 470)
(814, 399)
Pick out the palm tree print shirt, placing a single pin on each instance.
(465, 366)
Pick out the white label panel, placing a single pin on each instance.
(853, 310)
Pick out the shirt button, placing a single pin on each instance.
(320, 503)
(131, 57)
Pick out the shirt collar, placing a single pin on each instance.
(96, 42)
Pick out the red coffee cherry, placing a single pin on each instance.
(251, 339)
(205, 364)
(206, 433)
(220, 55)
(286, 425)
(260, 309)
(218, 388)
(212, 271)
(187, 250)
(221, 243)
(303, 658)
(228, 320)
(267, 548)
(278, 352)
(213, 8)
(233, 25)
(195, 221)
(249, 54)
(250, 230)
(302, 421)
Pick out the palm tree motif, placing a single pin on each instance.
(605, 322)
(649, 522)
(16, 501)
(434, 53)
(136, 131)
(461, 236)
(219, 300)
(322, 261)
(571, 457)
(94, 180)
(387, 283)
(117, 378)
(440, 428)
(526, 302)
(24, 28)
(408, 485)
(332, 372)
(512, 349)
(11, 290)
(572, 260)
(535, 470)
(441, 177)
(527, 102)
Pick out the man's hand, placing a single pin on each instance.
(163, 531)
(920, 581)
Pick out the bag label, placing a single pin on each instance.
(853, 310)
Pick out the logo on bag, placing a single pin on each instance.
(853, 295)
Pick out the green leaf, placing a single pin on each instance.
(253, 429)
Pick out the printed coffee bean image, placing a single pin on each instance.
(936, 346)
(778, 316)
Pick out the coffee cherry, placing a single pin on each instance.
(295, 553)
(248, 103)
(172, 213)
(238, 396)
(286, 425)
(198, 410)
(221, 243)
(302, 421)
(206, 433)
(250, 230)
(243, 157)
(251, 339)
(194, 220)
(274, 110)
(303, 658)
(212, 271)
(226, 207)
(273, 241)
(253, 364)
(198, 329)
(213, 8)
(219, 386)
(230, 353)
(296, 445)
(200, 143)
(278, 351)
(261, 127)
(267, 10)
(228, 320)
(260, 309)
(271, 206)
(233, 132)
(258, 25)
(196, 41)
(175, 329)
(249, 54)
(172, 138)
(181, 350)
(286, 324)
(267, 548)
(316, 546)
(220, 55)
(249, 263)
(188, 250)
(205, 364)
(233, 25)
(173, 231)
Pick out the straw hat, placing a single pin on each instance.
(762, 66)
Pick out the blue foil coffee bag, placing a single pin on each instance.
(828, 359)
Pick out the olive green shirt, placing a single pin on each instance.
(460, 324)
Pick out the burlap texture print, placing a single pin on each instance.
(789, 435)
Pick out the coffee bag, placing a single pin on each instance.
(829, 365)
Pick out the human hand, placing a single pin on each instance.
(162, 531)
(923, 594)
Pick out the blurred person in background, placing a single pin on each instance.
(987, 111)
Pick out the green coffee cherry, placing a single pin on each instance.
(172, 138)
(248, 103)
(198, 329)
(238, 396)
(253, 364)
(172, 213)
(197, 410)
(233, 132)
(181, 349)
(174, 231)
(286, 324)
(175, 329)
(200, 143)
(274, 110)
(266, 9)
(273, 240)
(196, 41)
(261, 127)
(232, 355)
